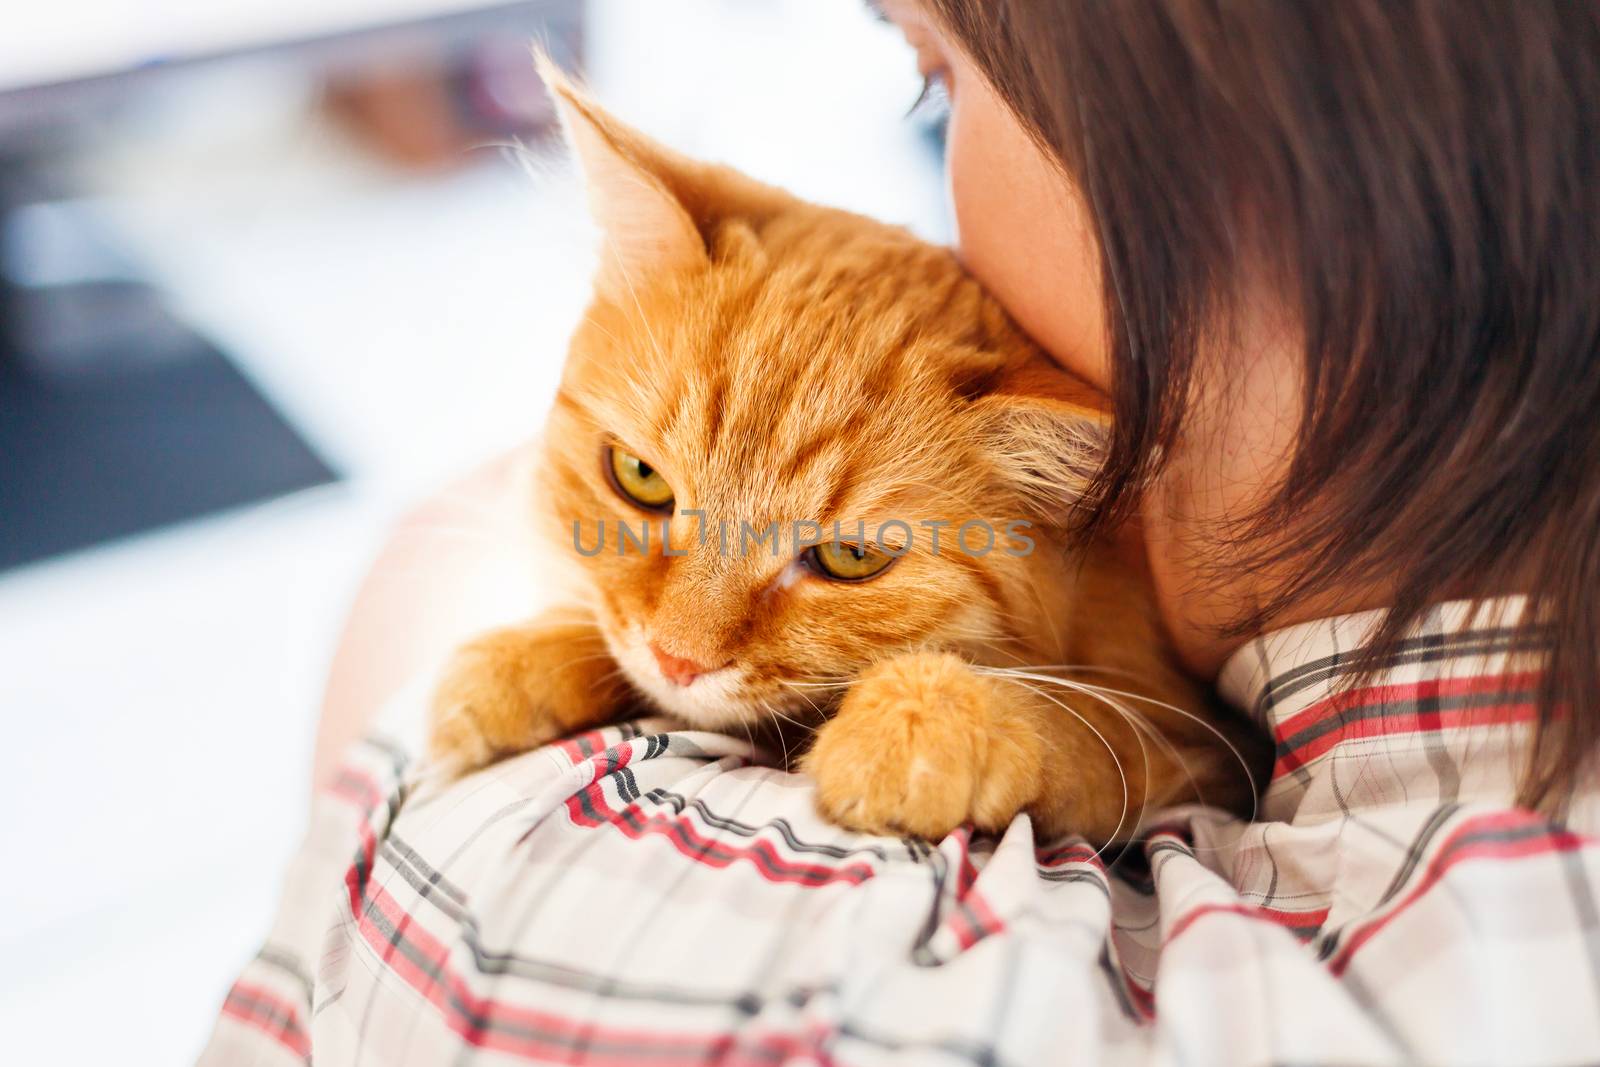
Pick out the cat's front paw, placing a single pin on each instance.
(921, 745)
(515, 689)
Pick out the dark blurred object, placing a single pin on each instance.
(435, 108)
(115, 416)
(48, 110)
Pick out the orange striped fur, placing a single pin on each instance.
(779, 361)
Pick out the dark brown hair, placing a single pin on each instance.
(1423, 180)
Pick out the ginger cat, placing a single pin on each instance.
(751, 359)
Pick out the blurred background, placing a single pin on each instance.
(271, 272)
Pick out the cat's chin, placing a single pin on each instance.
(715, 701)
(710, 703)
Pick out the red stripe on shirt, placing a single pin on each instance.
(1299, 923)
(356, 787)
(265, 1011)
(681, 832)
(1076, 852)
(1455, 851)
(1401, 722)
(485, 1022)
(972, 920)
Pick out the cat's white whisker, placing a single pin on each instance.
(1132, 718)
(1104, 692)
(800, 688)
(1141, 727)
(764, 706)
(1233, 749)
(1144, 726)
(979, 646)
(797, 724)
(1116, 761)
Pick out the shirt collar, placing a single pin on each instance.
(1444, 717)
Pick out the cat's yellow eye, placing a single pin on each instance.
(639, 482)
(845, 562)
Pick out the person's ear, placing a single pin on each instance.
(1047, 432)
(645, 227)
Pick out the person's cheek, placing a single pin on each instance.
(1024, 233)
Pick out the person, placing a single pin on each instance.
(1335, 266)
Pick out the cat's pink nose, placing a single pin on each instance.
(676, 668)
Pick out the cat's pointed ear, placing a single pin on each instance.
(1048, 432)
(645, 227)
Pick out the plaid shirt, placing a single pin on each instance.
(643, 895)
